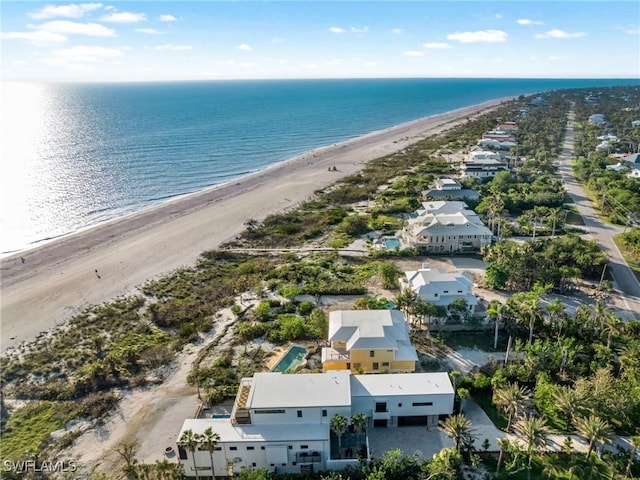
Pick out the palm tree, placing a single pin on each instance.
(190, 441)
(210, 440)
(359, 422)
(495, 311)
(511, 399)
(611, 327)
(339, 426)
(534, 432)
(525, 306)
(635, 445)
(503, 444)
(459, 429)
(569, 403)
(594, 430)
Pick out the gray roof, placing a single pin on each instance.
(277, 390)
(447, 194)
(401, 384)
(253, 433)
(368, 329)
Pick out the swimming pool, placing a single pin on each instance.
(293, 357)
(391, 243)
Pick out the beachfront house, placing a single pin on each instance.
(597, 119)
(449, 189)
(635, 173)
(440, 288)
(282, 423)
(369, 341)
(446, 227)
(482, 164)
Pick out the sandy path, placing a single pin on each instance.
(59, 279)
(151, 416)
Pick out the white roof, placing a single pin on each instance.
(460, 223)
(427, 277)
(253, 433)
(368, 329)
(388, 385)
(278, 390)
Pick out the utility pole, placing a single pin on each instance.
(602, 276)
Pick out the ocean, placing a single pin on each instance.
(76, 155)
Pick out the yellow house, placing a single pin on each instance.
(369, 341)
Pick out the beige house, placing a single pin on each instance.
(369, 341)
(445, 227)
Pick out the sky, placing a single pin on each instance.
(207, 40)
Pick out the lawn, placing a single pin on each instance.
(480, 340)
(484, 400)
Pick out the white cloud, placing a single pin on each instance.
(631, 31)
(39, 37)
(370, 64)
(526, 21)
(498, 16)
(232, 63)
(334, 61)
(150, 31)
(173, 48)
(487, 36)
(557, 57)
(413, 53)
(72, 11)
(397, 31)
(359, 30)
(81, 54)
(168, 18)
(124, 17)
(436, 45)
(76, 28)
(555, 33)
(336, 30)
(244, 47)
(311, 66)
(19, 63)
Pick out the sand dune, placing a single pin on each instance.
(64, 277)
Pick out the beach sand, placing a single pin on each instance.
(91, 267)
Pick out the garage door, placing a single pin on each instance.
(412, 420)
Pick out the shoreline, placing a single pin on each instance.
(65, 276)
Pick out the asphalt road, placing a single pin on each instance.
(623, 278)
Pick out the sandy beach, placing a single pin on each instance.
(64, 277)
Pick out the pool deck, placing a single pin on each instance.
(277, 355)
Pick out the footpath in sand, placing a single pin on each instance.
(66, 276)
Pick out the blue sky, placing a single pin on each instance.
(182, 40)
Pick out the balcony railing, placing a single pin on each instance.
(308, 457)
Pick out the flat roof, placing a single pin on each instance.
(256, 433)
(278, 390)
(401, 384)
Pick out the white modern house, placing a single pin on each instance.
(483, 164)
(445, 227)
(369, 341)
(282, 422)
(439, 287)
(597, 119)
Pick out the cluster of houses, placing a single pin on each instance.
(626, 162)
(445, 224)
(286, 423)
